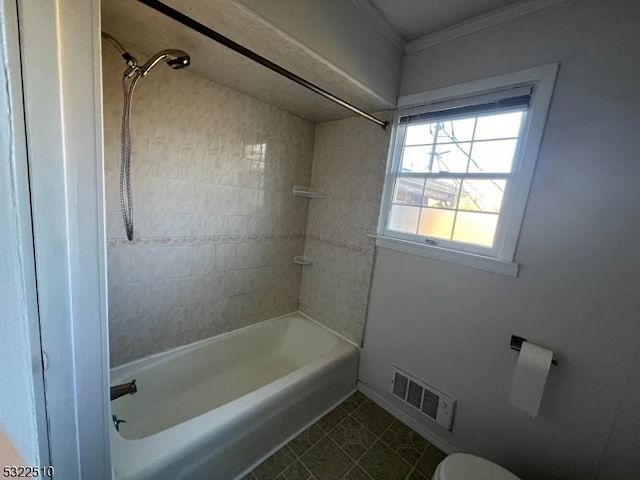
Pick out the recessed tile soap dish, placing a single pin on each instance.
(308, 192)
(302, 260)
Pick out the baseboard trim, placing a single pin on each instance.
(424, 432)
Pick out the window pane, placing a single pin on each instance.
(492, 156)
(409, 191)
(416, 159)
(452, 175)
(437, 223)
(404, 219)
(451, 157)
(482, 195)
(504, 125)
(456, 130)
(476, 228)
(420, 134)
(441, 192)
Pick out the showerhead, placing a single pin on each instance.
(176, 59)
(182, 61)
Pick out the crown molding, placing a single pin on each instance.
(480, 22)
(381, 23)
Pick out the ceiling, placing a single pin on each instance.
(414, 18)
(145, 31)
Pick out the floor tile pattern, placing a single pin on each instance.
(357, 440)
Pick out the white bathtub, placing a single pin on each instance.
(213, 409)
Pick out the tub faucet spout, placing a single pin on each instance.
(118, 391)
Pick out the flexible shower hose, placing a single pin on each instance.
(126, 196)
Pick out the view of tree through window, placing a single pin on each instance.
(453, 174)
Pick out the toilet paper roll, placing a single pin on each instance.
(530, 378)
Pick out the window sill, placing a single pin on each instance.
(479, 262)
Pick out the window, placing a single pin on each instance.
(453, 169)
(460, 170)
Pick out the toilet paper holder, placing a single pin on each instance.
(516, 344)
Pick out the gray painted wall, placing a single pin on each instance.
(620, 460)
(577, 291)
(348, 39)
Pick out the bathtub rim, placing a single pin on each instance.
(117, 371)
(339, 335)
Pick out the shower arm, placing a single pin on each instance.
(227, 42)
(130, 59)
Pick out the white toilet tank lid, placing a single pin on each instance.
(462, 466)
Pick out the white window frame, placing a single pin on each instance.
(499, 258)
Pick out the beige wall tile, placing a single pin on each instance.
(348, 164)
(215, 220)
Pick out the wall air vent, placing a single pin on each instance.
(422, 397)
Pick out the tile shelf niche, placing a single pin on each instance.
(302, 260)
(307, 192)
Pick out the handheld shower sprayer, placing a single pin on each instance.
(176, 59)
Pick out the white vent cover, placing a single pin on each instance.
(424, 398)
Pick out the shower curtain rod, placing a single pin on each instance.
(227, 42)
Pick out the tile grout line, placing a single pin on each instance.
(271, 456)
(339, 447)
(378, 437)
(326, 434)
(298, 458)
(413, 466)
(417, 461)
(355, 463)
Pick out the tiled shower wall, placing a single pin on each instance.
(216, 225)
(349, 164)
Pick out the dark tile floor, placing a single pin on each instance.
(356, 441)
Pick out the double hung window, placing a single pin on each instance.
(460, 170)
